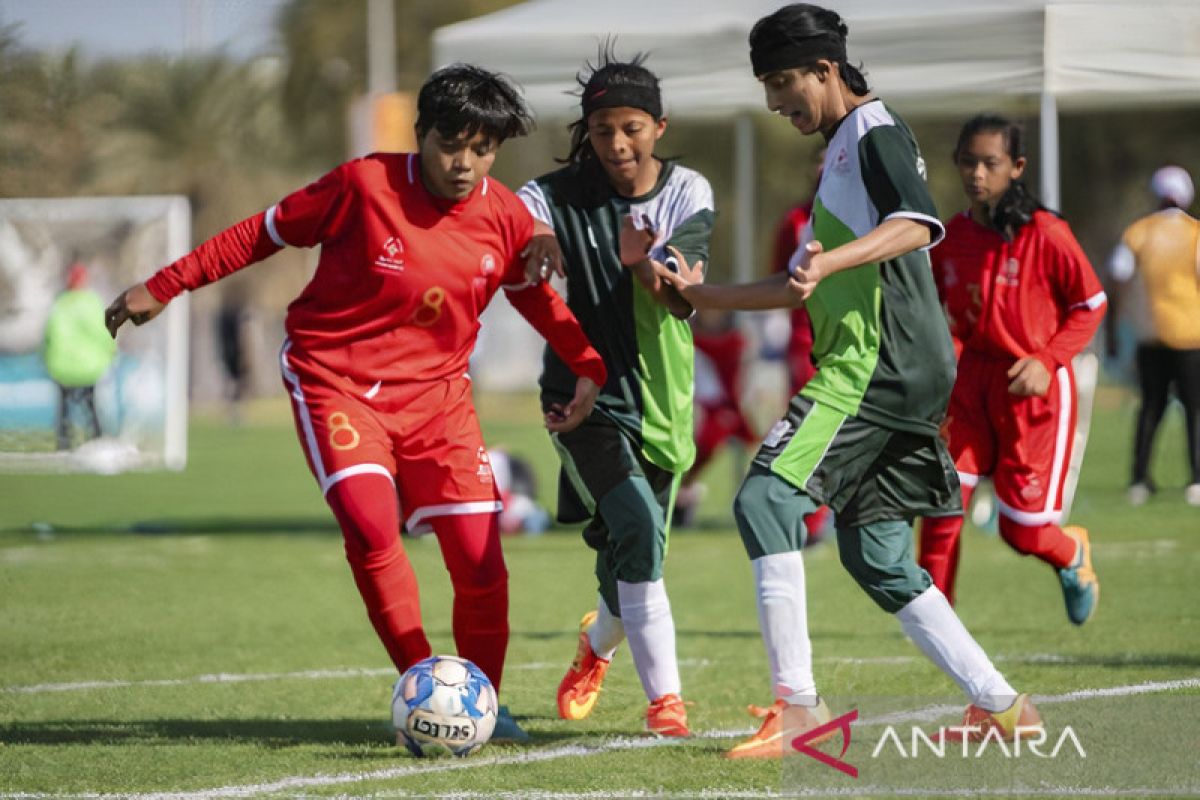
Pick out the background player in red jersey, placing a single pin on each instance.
(413, 247)
(1022, 301)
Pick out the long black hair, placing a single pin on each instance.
(463, 99)
(629, 79)
(797, 36)
(1016, 206)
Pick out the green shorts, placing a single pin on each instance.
(625, 499)
(866, 473)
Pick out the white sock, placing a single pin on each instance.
(783, 620)
(650, 630)
(606, 632)
(934, 627)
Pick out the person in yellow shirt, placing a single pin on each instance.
(77, 351)
(1157, 269)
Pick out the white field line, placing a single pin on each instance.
(365, 672)
(295, 783)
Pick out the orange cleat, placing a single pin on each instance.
(782, 723)
(1021, 714)
(667, 716)
(580, 687)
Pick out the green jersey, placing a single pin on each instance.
(647, 351)
(78, 348)
(880, 339)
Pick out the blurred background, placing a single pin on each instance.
(234, 103)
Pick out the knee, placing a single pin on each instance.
(891, 582)
(1025, 539)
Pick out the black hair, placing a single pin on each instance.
(463, 99)
(801, 34)
(629, 78)
(1016, 206)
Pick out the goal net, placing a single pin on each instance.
(140, 403)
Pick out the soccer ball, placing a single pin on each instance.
(443, 704)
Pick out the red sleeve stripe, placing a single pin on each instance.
(272, 231)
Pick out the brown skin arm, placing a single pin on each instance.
(635, 248)
(560, 419)
(135, 304)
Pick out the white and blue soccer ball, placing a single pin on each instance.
(443, 704)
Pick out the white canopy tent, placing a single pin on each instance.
(925, 56)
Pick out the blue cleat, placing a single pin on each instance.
(1081, 588)
(507, 731)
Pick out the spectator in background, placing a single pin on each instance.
(1157, 269)
(1022, 301)
(720, 358)
(232, 318)
(78, 351)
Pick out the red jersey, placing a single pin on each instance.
(403, 275)
(787, 239)
(1037, 295)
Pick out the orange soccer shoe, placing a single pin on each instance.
(580, 687)
(667, 716)
(782, 723)
(1021, 714)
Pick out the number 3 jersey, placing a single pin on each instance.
(402, 277)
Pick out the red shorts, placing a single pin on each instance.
(1024, 443)
(423, 436)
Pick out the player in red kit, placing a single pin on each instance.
(1022, 301)
(413, 247)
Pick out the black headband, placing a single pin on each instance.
(624, 95)
(787, 53)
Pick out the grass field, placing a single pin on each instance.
(198, 635)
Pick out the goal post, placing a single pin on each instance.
(141, 401)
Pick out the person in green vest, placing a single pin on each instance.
(602, 221)
(77, 351)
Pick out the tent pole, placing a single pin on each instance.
(1051, 195)
(743, 191)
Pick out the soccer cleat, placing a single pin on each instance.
(1081, 588)
(1139, 493)
(1191, 494)
(667, 716)
(781, 724)
(580, 687)
(507, 730)
(978, 721)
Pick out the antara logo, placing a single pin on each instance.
(392, 257)
(974, 741)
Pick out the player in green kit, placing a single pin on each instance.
(605, 220)
(862, 435)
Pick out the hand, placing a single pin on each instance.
(684, 276)
(635, 242)
(543, 257)
(135, 303)
(1030, 378)
(560, 419)
(805, 275)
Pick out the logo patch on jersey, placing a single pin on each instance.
(392, 257)
(1010, 273)
(949, 273)
(487, 264)
(484, 473)
(841, 162)
(921, 168)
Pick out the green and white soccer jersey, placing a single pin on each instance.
(648, 352)
(880, 339)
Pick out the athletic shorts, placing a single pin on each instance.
(1023, 443)
(424, 436)
(596, 457)
(866, 473)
